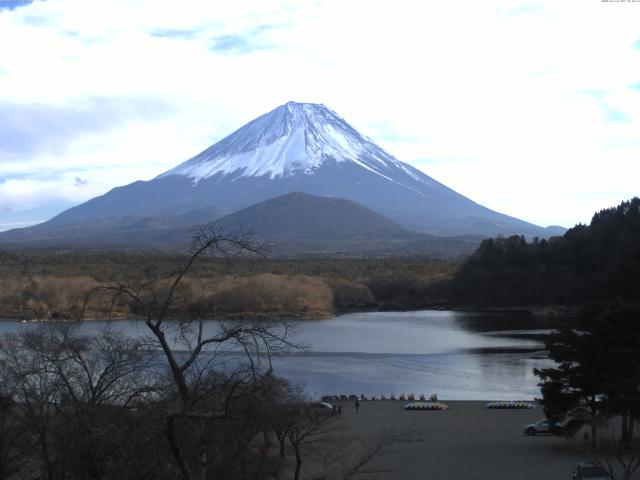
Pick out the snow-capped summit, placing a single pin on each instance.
(293, 138)
(299, 147)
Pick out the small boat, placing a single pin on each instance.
(426, 406)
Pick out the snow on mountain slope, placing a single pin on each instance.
(293, 138)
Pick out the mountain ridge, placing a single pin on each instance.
(298, 148)
(291, 225)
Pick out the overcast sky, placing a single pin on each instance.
(531, 108)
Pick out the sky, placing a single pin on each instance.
(531, 108)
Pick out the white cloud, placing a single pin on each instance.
(524, 106)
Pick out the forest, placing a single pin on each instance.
(595, 262)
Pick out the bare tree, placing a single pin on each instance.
(11, 461)
(93, 370)
(620, 459)
(349, 456)
(321, 438)
(281, 412)
(70, 394)
(37, 393)
(207, 390)
(156, 303)
(305, 428)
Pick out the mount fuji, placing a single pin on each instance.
(297, 147)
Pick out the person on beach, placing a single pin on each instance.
(356, 406)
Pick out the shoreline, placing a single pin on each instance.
(549, 311)
(448, 402)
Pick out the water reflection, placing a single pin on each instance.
(459, 355)
(505, 321)
(423, 332)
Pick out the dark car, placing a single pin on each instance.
(590, 471)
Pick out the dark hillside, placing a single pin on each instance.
(599, 261)
(298, 215)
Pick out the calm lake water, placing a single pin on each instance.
(458, 355)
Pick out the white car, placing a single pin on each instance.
(323, 408)
(541, 426)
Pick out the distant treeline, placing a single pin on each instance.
(598, 262)
(50, 285)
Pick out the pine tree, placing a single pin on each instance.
(598, 368)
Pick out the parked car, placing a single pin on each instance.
(323, 408)
(590, 471)
(542, 426)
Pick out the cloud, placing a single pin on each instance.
(184, 34)
(232, 44)
(594, 93)
(29, 194)
(386, 131)
(29, 129)
(244, 42)
(614, 115)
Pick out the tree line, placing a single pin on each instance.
(599, 261)
(51, 286)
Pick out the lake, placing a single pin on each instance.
(458, 355)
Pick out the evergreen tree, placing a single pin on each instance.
(618, 330)
(575, 387)
(598, 368)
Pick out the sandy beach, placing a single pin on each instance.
(466, 442)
